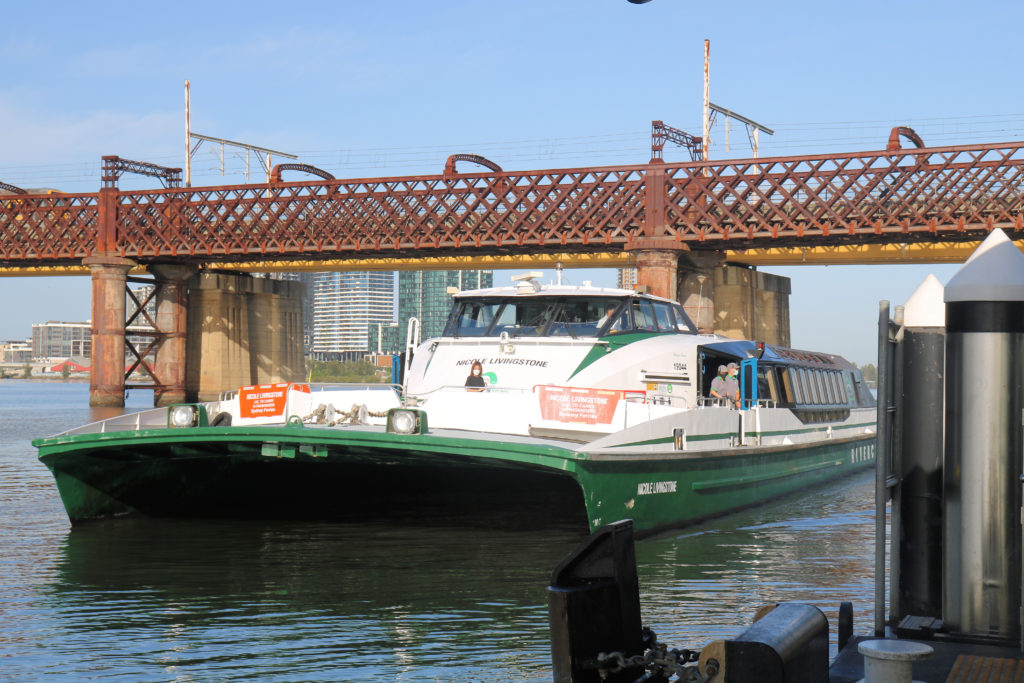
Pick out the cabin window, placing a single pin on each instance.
(784, 386)
(472, 319)
(663, 314)
(643, 316)
(851, 393)
(812, 386)
(523, 318)
(793, 382)
(764, 389)
(578, 317)
(801, 386)
(819, 383)
(833, 395)
(837, 386)
(683, 323)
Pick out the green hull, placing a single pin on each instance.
(302, 472)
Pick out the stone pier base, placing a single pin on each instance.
(733, 301)
(750, 304)
(241, 331)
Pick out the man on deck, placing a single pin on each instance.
(725, 385)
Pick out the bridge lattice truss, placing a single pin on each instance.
(929, 194)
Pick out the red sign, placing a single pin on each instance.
(571, 404)
(266, 400)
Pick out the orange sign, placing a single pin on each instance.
(571, 404)
(266, 400)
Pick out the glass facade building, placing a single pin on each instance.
(625, 278)
(346, 306)
(424, 295)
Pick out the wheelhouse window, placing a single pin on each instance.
(663, 316)
(563, 316)
(681, 320)
(588, 317)
(643, 316)
(472, 318)
(523, 318)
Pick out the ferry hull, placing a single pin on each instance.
(312, 473)
(669, 490)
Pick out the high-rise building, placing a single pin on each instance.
(345, 306)
(424, 295)
(625, 278)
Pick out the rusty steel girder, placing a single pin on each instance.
(114, 167)
(275, 173)
(449, 165)
(927, 194)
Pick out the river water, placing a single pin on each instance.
(392, 600)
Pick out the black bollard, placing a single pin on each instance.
(594, 607)
(788, 645)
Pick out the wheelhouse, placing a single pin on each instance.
(564, 315)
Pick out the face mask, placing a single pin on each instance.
(476, 372)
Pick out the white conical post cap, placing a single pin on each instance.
(994, 272)
(925, 307)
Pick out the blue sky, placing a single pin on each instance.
(392, 88)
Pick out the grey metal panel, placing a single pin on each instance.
(982, 529)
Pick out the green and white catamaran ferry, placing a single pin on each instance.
(573, 402)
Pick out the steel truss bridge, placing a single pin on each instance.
(895, 204)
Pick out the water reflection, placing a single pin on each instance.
(312, 599)
(815, 549)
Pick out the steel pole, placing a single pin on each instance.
(707, 101)
(881, 461)
(188, 136)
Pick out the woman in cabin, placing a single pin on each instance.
(475, 381)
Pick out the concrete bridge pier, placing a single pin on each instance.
(172, 322)
(733, 301)
(698, 276)
(241, 331)
(106, 378)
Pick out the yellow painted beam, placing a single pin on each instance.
(860, 254)
(618, 259)
(920, 252)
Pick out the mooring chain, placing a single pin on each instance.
(659, 662)
(319, 416)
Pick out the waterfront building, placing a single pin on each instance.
(346, 305)
(56, 339)
(17, 351)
